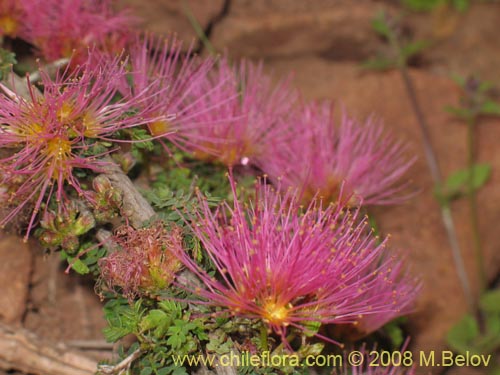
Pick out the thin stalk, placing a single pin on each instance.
(263, 338)
(433, 165)
(472, 198)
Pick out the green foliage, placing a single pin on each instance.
(469, 335)
(162, 329)
(7, 60)
(457, 184)
(394, 332)
(380, 25)
(429, 5)
(402, 50)
(123, 319)
(478, 99)
(490, 302)
(62, 229)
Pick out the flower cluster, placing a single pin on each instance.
(243, 114)
(286, 265)
(161, 66)
(49, 135)
(11, 15)
(145, 261)
(62, 28)
(298, 255)
(322, 156)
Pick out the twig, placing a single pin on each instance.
(472, 198)
(432, 163)
(436, 176)
(135, 206)
(120, 367)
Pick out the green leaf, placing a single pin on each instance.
(461, 5)
(180, 371)
(490, 301)
(379, 63)
(462, 113)
(395, 332)
(7, 59)
(414, 48)
(311, 328)
(421, 5)
(379, 24)
(459, 80)
(79, 267)
(113, 334)
(458, 183)
(490, 108)
(481, 174)
(156, 319)
(462, 334)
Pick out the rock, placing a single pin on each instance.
(463, 43)
(15, 269)
(416, 226)
(334, 28)
(165, 17)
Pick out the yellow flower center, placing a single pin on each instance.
(59, 151)
(275, 313)
(159, 127)
(64, 113)
(8, 25)
(59, 148)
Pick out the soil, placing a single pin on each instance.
(323, 43)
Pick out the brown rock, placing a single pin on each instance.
(416, 225)
(463, 43)
(164, 17)
(334, 28)
(15, 269)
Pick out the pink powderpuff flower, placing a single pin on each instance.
(324, 155)
(44, 137)
(161, 65)
(243, 129)
(11, 18)
(66, 28)
(144, 261)
(287, 265)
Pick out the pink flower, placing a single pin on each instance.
(45, 137)
(145, 261)
(63, 28)
(323, 154)
(161, 66)
(11, 18)
(287, 265)
(246, 126)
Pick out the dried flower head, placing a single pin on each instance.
(45, 137)
(323, 156)
(145, 261)
(247, 125)
(287, 266)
